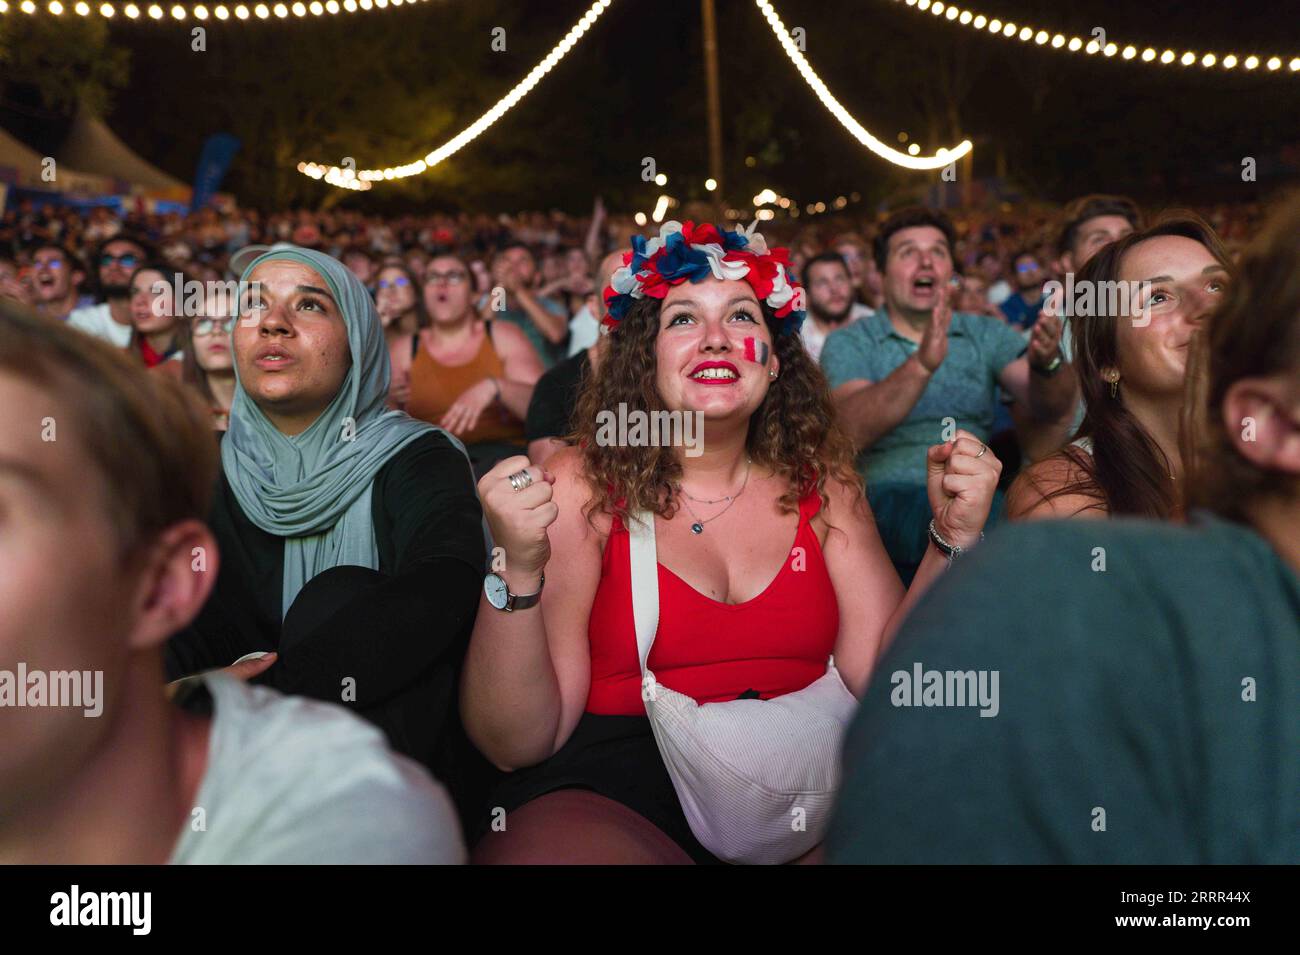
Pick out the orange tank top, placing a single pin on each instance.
(435, 388)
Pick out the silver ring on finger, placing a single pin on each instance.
(520, 480)
(983, 447)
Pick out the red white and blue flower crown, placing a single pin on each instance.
(688, 252)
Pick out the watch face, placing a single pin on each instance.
(497, 591)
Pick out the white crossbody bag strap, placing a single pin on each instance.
(645, 582)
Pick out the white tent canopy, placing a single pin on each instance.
(26, 167)
(25, 163)
(93, 147)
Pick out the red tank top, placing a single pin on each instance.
(775, 643)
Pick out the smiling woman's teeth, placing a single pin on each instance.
(714, 373)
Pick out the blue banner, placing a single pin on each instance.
(214, 161)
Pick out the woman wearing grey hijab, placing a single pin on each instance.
(351, 541)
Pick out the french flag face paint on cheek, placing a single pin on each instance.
(756, 350)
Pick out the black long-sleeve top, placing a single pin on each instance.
(399, 635)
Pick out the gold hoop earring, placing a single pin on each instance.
(1114, 386)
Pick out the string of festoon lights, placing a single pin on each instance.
(234, 12)
(361, 180)
(1061, 42)
(941, 158)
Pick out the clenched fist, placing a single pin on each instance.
(519, 519)
(962, 475)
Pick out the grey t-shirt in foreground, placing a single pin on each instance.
(294, 781)
(1145, 710)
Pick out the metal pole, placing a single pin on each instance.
(715, 107)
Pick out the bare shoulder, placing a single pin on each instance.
(845, 497)
(1037, 491)
(566, 465)
(399, 351)
(845, 509)
(572, 490)
(508, 335)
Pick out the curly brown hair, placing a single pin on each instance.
(794, 431)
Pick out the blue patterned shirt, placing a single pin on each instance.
(963, 388)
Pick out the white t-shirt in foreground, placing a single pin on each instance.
(97, 320)
(295, 781)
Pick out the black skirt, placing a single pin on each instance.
(615, 757)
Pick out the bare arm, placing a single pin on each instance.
(867, 588)
(1045, 399)
(555, 328)
(542, 449)
(522, 367)
(1038, 439)
(592, 244)
(960, 481)
(399, 387)
(527, 673)
(870, 409)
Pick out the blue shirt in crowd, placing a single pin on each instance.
(963, 388)
(1020, 313)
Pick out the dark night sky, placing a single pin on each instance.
(634, 87)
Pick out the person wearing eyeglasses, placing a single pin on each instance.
(110, 317)
(207, 363)
(56, 274)
(1023, 306)
(1021, 310)
(919, 370)
(467, 374)
(1157, 696)
(398, 302)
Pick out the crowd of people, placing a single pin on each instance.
(260, 470)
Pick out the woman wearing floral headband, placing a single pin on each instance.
(767, 557)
